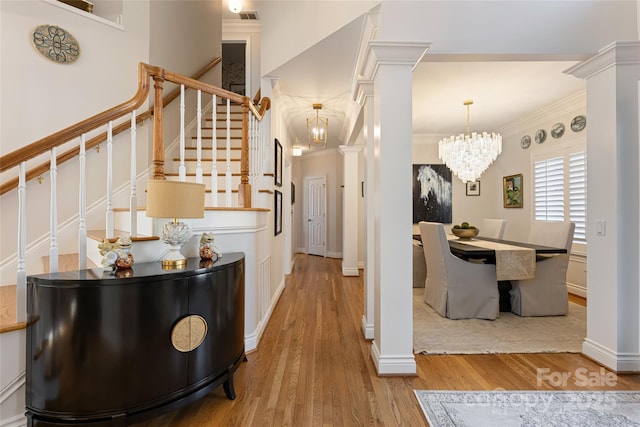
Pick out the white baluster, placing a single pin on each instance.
(182, 170)
(133, 198)
(110, 227)
(82, 205)
(21, 276)
(214, 153)
(228, 191)
(53, 214)
(199, 140)
(252, 156)
(261, 154)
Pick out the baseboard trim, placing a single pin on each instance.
(367, 329)
(581, 291)
(251, 341)
(17, 421)
(350, 271)
(618, 362)
(396, 365)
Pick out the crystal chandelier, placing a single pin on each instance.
(468, 155)
(317, 129)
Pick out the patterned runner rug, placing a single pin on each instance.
(510, 333)
(530, 408)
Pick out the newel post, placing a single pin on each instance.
(244, 189)
(158, 127)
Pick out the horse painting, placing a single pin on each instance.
(432, 193)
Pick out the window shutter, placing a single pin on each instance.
(549, 189)
(578, 195)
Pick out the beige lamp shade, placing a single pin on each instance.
(175, 199)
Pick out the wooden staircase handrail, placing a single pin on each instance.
(45, 144)
(93, 142)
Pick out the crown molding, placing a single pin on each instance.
(616, 53)
(549, 113)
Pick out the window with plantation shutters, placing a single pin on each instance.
(578, 195)
(560, 188)
(549, 189)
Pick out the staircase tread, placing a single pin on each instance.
(8, 310)
(222, 138)
(204, 159)
(222, 174)
(66, 262)
(208, 147)
(99, 235)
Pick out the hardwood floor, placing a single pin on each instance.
(313, 366)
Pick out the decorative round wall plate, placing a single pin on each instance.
(578, 123)
(525, 142)
(557, 130)
(55, 43)
(541, 135)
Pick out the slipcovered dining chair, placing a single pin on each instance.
(455, 288)
(492, 228)
(546, 294)
(419, 265)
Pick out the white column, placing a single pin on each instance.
(613, 180)
(350, 211)
(392, 347)
(365, 98)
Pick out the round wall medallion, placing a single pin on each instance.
(188, 333)
(541, 135)
(578, 123)
(525, 142)
(55, 43)
(557, 130)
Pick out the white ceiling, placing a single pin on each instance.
(502, 91)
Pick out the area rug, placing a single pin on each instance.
(510, 333)
(530, 408)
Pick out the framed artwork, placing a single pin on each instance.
(293, 193)
(432, 193)
(512, 191)
(473, 188)
(277, 209)
(278, 164)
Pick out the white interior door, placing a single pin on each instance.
(316, 218)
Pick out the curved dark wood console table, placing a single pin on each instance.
(113, 349)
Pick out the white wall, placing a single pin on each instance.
(320, 163)
(510, 27)
(302, 24)
(40, 96)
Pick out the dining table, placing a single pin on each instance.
(514, 260)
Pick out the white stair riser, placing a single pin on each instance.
(235, 181)
(190, 167)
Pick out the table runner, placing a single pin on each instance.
(512, 262)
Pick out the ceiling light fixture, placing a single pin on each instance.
(235, 6)
(468, 155)
(296, 151)
(317, 129)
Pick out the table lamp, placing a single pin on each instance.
(174, 199)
